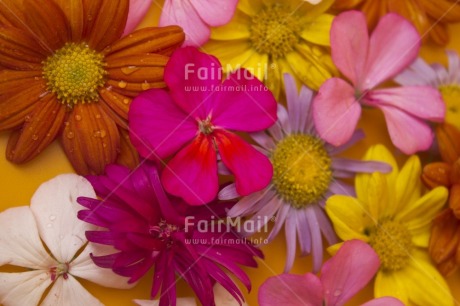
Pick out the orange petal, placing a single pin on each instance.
(454, 200)
(11, 81)
(109, 23)
(449, 142)
(137, 68)
(147, 40)
(48, 22)
(437, 174)
(442, 10)
(118, 103)
(38, 132)
(126, 88)
(11, 14)
(15, 109)
(73, 10)
(128, 155)
(439, 33)
(445, 236)
(448, 267)
(90, 9)
(90, 138)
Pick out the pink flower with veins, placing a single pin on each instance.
(368, 61)
(196, 17)
(192, 123)
(137, 11)
(342, 276)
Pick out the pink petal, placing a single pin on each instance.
(393, 46)
(244, 110)
(137, 11)
(252, 170)
(420, 101)
(158, 127)
(192, 76)
(192, 173)
(408, 133)
(348, 271)
(183, 13)
(349, 44)
(336, 111)
(291, 290)
(215, 12)
(384, 301)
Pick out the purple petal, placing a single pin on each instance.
(317, 242)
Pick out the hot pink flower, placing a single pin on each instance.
(197, 16)
(194, 118)
(367, 62)
(341, 278)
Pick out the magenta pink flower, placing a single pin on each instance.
(194, 118)
(196, 17)
(150, 230)
(137, 11)
(367, 62)
(341, 278)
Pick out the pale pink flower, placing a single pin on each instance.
(368, 61)
(137, 11)
(342, 276)
(196, 17)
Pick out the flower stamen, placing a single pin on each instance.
(60, 269)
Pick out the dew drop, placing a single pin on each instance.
(129, 70)
(103, 133)
(36, 78)
(98, 116)
(49, 225)
(52, 217)
(77, 117)
(122, 84)
(34, 137)
(145, 86)
(337, 292)
(70, 135)
(104, 145)
(27, 118)
(125, 101)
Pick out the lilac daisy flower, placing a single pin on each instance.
(150, 230)
(305, 173)
(446, 80)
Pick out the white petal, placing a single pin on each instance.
(20, 244)
(84, 267)
(69, 292)
(223, 298)
(55, 208)
(20, 289)
(180, 302)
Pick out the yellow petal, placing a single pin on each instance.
(317, 32)
(250, 7)
(408, 183)
(390, 284)
(425, 284)
(232, 54)
(349, 217)
(378, 197)
(310, 12)
(238, 28)
(334, 248)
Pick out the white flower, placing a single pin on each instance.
(51, 220)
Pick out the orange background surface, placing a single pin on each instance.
(18, 183)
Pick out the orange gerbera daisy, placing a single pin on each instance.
(429, 16)
(67, 73)
(445, 234)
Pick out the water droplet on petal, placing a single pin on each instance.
(337, 292)
(77, 117)
(27, 118)
(98, 116)
(70, 135)
(52, 217)
(122, 84)
(49, 225)
(125, 101)
(130, 69)
(34, 137)
(145, 86)
(103, 133)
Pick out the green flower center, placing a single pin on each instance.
(392, 241)
(301, 169)
(451, 96)
(274, 31)
(74, 73)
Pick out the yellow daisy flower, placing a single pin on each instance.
(391, 215)
(270, 37)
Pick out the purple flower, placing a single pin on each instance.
(305, 172)
(149, 229)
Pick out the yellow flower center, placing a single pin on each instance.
(302, 169)
(275, 31)
(74, 73)
(393, 243)
(451, 96)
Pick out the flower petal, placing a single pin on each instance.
(409, 185)
(55, 208)
(408, 133)
(192, 173)
(73, 10)
(26, 288)
(391, 284)
(336, 111)
(244, 110)
(348, 271)
(154, 110)
(393, 45)
(384, 301)
(69, 292)
(252, 169)
(137, 11)
(20, 243)
(318, 32)
(179, 302)
(215, 12)
(291, 290)
(349, 44)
